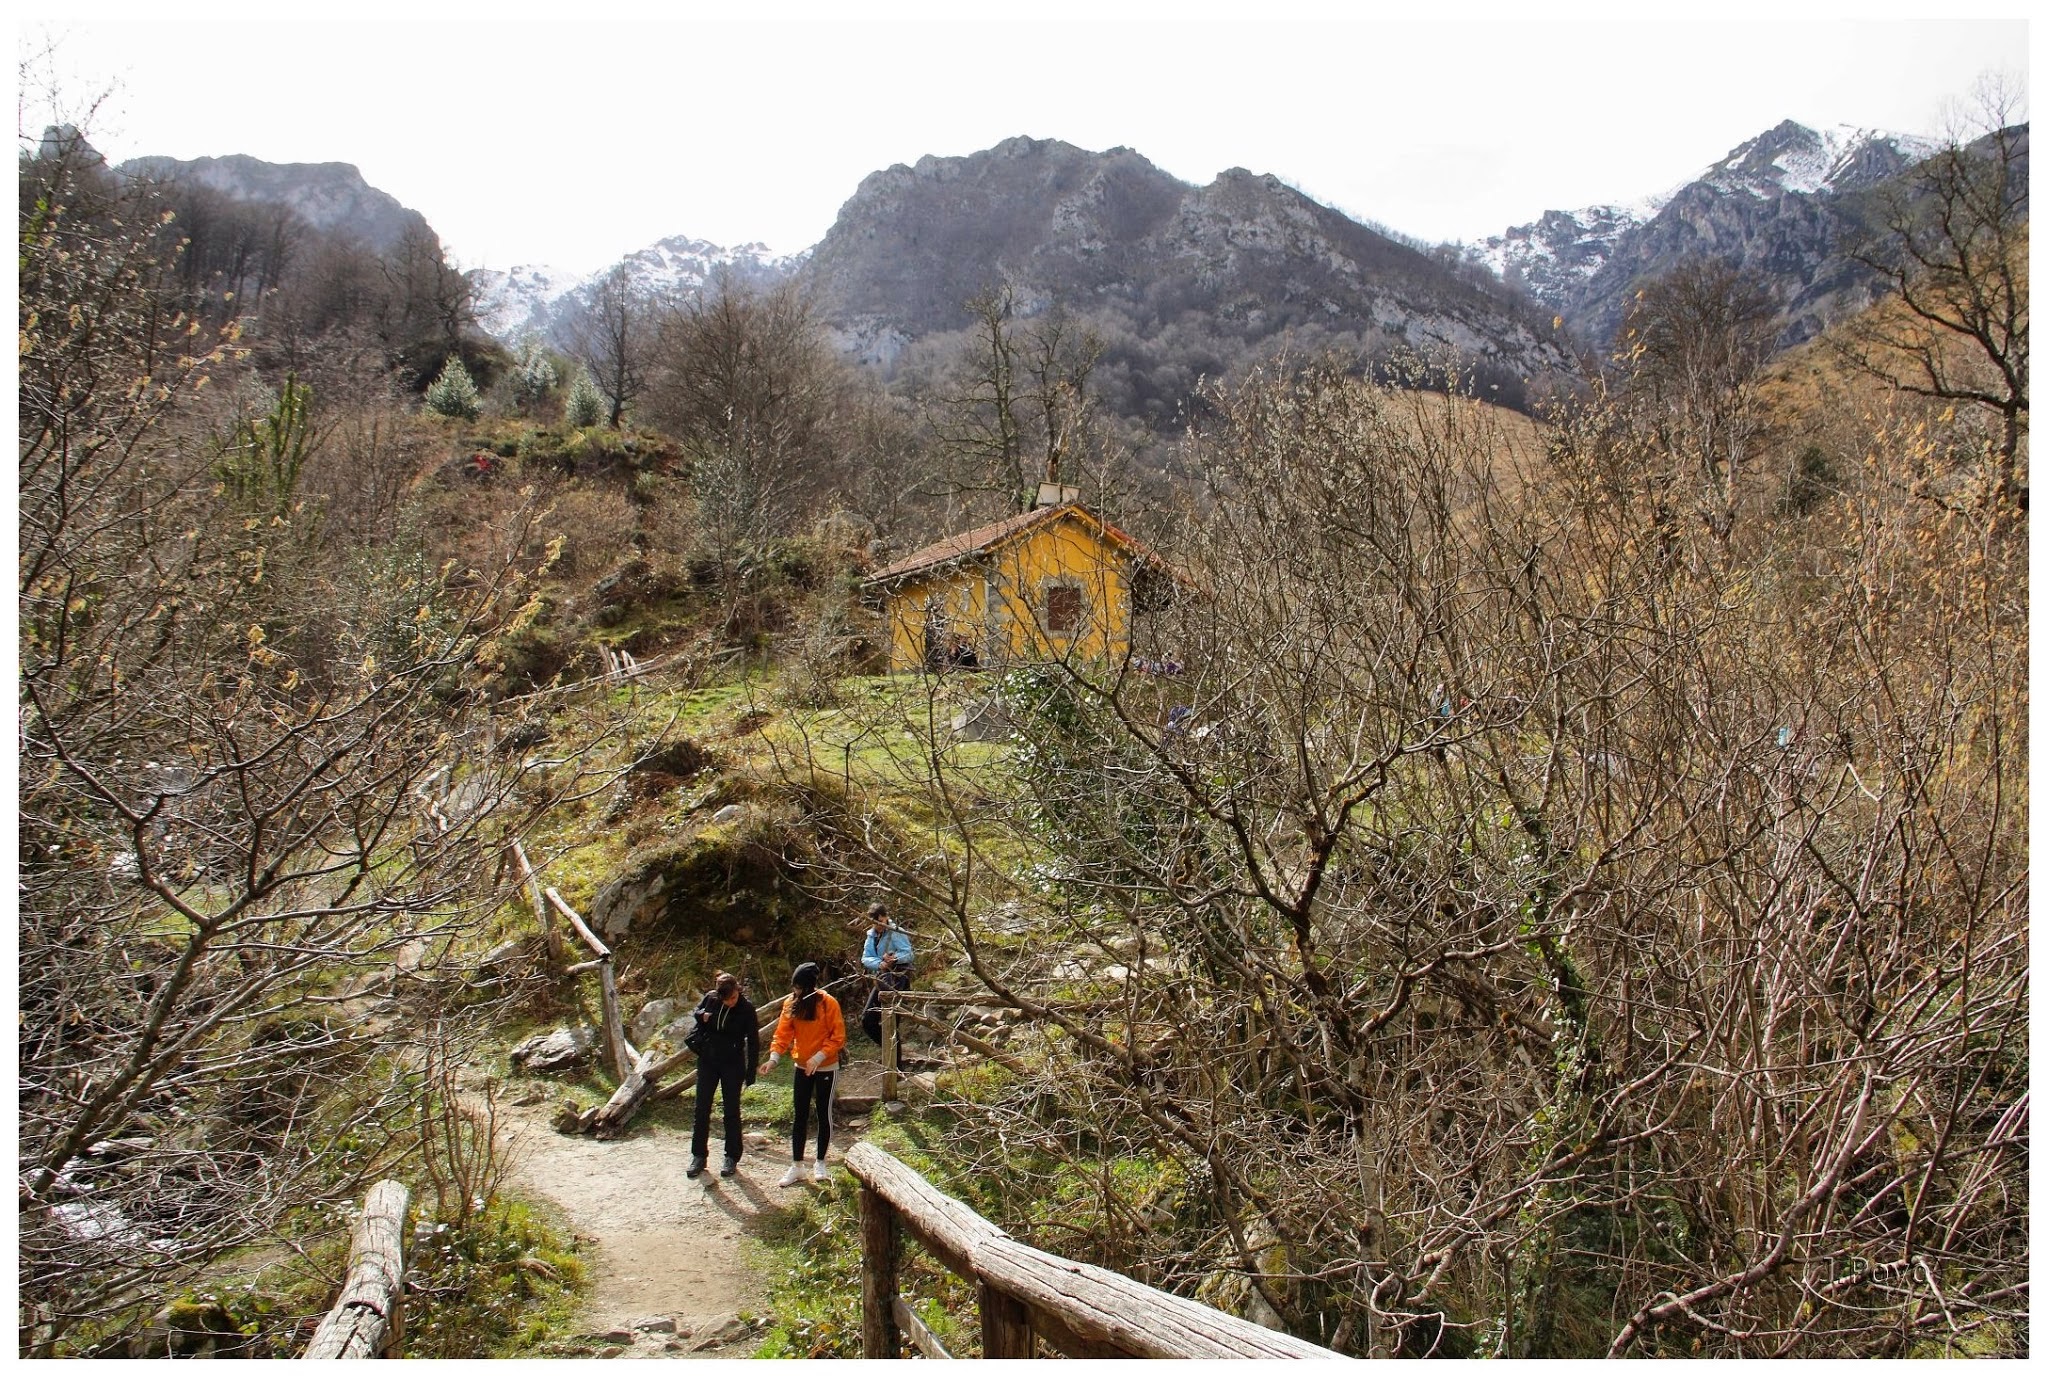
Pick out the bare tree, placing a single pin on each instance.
(612, 338)
(1693, 346)
(251, 787)
(1016, 408)
(1480, 948)
(1949, 244)
(748, 384)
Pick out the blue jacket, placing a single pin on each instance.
(891, 940)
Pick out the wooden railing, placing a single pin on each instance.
(1027, 1296)
(895, 1011)
(367, 1320)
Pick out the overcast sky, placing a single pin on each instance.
(572, 143)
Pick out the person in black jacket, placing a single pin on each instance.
(726, 1061)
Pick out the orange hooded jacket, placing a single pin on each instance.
(808, 1036)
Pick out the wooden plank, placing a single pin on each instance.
(1109, 1309)
(926, 1342)
(947, 1228)
(967, 1040)
(1005, 1325)
(576, 922)
(366, 1321)
(880, 1248)
(612, 1116)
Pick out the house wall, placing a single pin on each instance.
(999, 603)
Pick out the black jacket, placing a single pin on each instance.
(735, 1035)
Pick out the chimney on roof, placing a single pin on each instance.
(1056, 494)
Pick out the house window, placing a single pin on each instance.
(1063, 609)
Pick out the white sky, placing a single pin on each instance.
(573, 141)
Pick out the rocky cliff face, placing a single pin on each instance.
(1113, 237)
(331, 197)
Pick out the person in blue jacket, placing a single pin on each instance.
(887, 956)
(887, 947)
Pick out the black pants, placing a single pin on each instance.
(729, 1081)
(811, 1087)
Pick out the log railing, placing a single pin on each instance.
(1027, 1296)
(367, 1320)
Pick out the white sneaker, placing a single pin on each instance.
(819, 1172)
(797, 1175)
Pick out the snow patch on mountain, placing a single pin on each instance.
(537, 300)
(1794, 158)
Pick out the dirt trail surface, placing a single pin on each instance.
(670, 1270)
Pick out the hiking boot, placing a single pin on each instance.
(819, 1172)
(729, 1168)
(799, 1172)
(696, 1165)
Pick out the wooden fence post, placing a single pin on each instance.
(880, 1249)
(891, 1050)
(614, 1025)
(541, 910)
(1005, 1324)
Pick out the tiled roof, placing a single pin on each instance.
(985, 538)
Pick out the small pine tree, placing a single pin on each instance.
(535, 377)
(454, 392)
(586, 404)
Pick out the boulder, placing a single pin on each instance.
(655, 1015)
(627, 901)
(561, 1048)
(731, 813)
(191, 1329)
(982, 722)
(496, 964)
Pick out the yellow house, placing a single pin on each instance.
(1054, 582)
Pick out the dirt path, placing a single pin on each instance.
(671, 1273)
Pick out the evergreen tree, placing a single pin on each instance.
(586, 404)
(535, 377)
(454, 392)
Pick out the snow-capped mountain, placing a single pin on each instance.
(1793, 158)
(1770, 204)
(543, 301)
(1553, 256)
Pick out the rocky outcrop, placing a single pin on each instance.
(330, 197)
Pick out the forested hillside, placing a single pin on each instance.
(1551, 881)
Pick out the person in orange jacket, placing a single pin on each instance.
(813, 1027)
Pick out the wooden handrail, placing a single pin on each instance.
(367, 1319)
(1028, 1295)
(625, 1059)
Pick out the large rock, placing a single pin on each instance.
(982, 722)
(654, 1017)
(629, 901)
(553, 1051)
